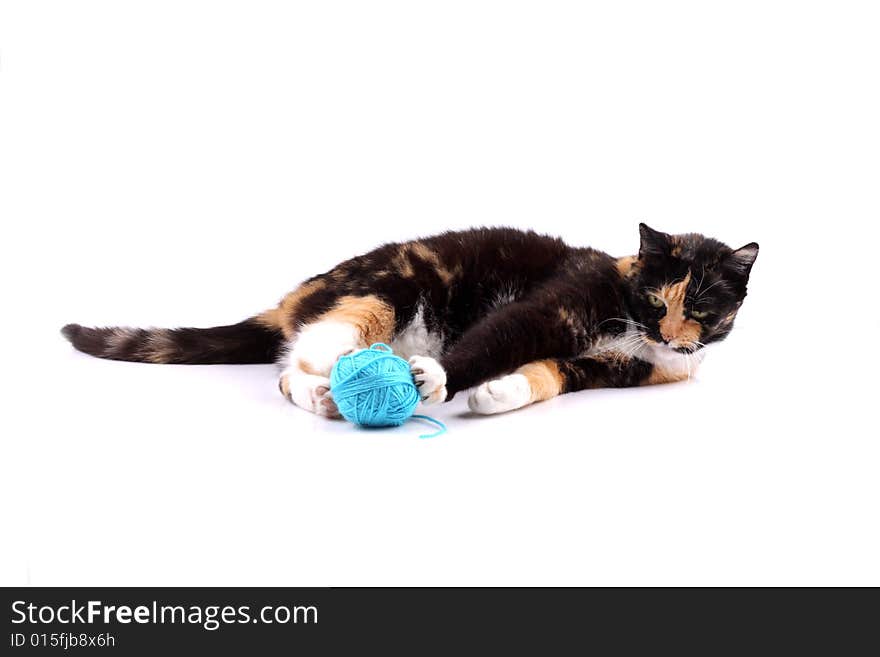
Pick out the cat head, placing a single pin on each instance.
(685, 290)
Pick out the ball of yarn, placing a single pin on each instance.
(373, 387)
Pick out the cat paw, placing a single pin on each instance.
(430, 378)
(501, 395)
(310, 392)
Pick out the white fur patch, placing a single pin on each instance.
(504, 394)
(663, 356)
(430, 377)
(415, 339)
(318, 346)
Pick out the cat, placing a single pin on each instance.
(516, 316)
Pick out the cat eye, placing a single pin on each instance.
(655, 301)
(699, 314)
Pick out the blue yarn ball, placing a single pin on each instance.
(374, 388)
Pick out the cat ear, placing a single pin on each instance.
(653, 242)
(741, 260)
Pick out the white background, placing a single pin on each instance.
(187, 163)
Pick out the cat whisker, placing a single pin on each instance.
(627, 351)
(628, 322)
(718, 282)
(687, 363)
(634, 346)
(626, 346)
(702, 278)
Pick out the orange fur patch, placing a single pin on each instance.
(674, 325)
(283, 318)
(307, 368)
(627, 265)
(544, 377)
(661, 375)
(373, 318)
(284, 385)
(401, 262)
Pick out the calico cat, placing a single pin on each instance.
(521, 316)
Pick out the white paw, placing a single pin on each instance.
(505, 394)
(430, 377)
(310, 392)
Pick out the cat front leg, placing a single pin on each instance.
(354, 322)
(545, 379)
(305, 377)
(509, 338)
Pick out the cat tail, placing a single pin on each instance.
(250, 341)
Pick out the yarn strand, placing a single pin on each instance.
(441, 427)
